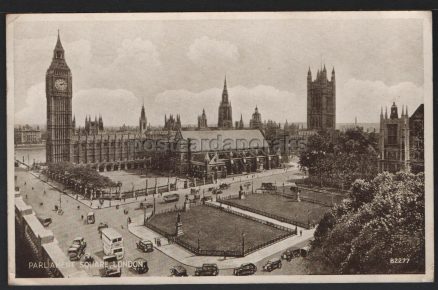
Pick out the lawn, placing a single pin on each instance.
(325, 198)
(217, 229)
(279, 205)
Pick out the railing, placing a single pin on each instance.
(263, 213)
(228, 253)
(293, 231)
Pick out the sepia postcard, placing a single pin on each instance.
(192, 148)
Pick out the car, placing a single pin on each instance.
(77, 249)
(171, 197)
(111, 267)
(145, 245)
(272, 265)
(289, 254)
(217, 191)
(140, 266)
(88, 258)
(224, 186)
(207, 270)
(245, 269)
(91, 219)
(178, 271)
(101, 226)
(45, 221)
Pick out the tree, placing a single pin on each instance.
(383, 219)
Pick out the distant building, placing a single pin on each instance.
(171, 123)
(416, 139)
(94, 127)
(202, 121)
(321, 101)
(240, 124)
(143, 123)
(401, 140)
(225, 114)
(27, 135)
(256, 120)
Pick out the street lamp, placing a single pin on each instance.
(243, 243)
(199, 247)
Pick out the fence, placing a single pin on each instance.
(266, 214)
(228, 253)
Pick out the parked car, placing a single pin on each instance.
(145, 245)
(289, 254)
(245, 269)
(171, 197)
(224, 186)
(272, 265)
(91, 218)
(146, 205)
(140, 266)
(77, 249)
(111, 267)
(207, 270)
(101, 226)
(178, 271)
(217, 191)
(45, 221)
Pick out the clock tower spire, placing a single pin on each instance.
(59, 107)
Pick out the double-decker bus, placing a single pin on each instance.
(112, 243)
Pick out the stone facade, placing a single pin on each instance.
(225, 114)
(321, 101)
(27, 135)
(256, 120)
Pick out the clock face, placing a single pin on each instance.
(60, 84)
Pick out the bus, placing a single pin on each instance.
(112, 243)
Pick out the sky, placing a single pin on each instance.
(177, 66)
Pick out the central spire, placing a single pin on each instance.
(225, 91)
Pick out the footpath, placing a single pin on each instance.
(95, 204)
(189, 259)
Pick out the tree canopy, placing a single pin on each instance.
(82, 174)
(382, 220)
(341, 159)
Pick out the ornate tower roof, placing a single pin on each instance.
(225, 92)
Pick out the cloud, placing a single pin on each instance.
(137, 52)
(113, 105)
(34, 110)
(116, 106)
(364, 98)
(211, 53)
(272, 104)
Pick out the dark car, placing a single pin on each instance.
(45, 221)
(145, 245)
(224, 186)
(140, 266)
(207, 270)
(289, 254)
(217, 191)
(77, 249)
(89, 259)
(178, 271)
(245, 269)
(111, 267)
(272, 265)
(171, 197)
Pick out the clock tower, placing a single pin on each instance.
(59, 107)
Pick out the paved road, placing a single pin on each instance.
(69, 225)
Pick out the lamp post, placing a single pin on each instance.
(199, 247)
(243, 243)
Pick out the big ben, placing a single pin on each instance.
(59, 107)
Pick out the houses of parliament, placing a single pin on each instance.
(105, 150)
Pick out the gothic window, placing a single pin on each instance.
(392, 134)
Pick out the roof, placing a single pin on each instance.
(218, 140)
(111, 233)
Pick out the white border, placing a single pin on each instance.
(428, 132)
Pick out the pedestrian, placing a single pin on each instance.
(159, 242)
(301, 233)
(25, 183)
(78, 207)
(82, 216)
(26, 196)
(32, 187)
(44, 191)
